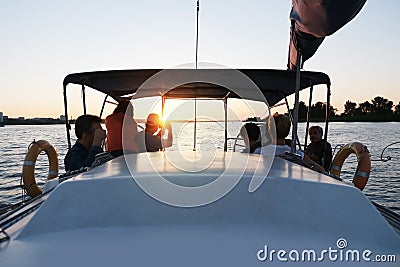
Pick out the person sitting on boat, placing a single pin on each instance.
(282, 128)
(121, 130)
(250, 133)
(317, 150)
(90, 136)
(155, 136)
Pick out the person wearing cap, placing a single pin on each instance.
(155, 136)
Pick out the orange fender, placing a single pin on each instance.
(364, 163)
(28, 169)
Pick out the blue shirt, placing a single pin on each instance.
(79, 156)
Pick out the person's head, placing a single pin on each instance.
(282, 125)
(85, 126)
(315, 133)
(153, 122)
(250, 132)
(124, 106)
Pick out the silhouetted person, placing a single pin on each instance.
(121, 130)
(282, 128)
(155, 136)
(90, 137)
(317, 150)
(250, 133)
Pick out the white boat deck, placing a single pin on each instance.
(102, 217)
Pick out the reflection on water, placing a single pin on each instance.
(383, 186)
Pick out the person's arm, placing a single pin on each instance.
(257, 151)
(76, 159)
(93, 151)
(73, 160)
(168, 142)
(99, 136)
(313, 164)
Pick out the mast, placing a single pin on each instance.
(296, 102)
(195, 90)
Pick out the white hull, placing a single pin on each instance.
(103, 218)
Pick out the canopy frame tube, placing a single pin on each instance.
(328, 100)
(296, 103)
(84, 99)
(308, 115)
(226, 121)
(67, 124)
(102, 107)
(292, 121)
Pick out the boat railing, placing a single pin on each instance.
(235, 143)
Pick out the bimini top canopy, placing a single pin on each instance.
(274, 85)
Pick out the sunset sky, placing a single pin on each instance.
(43, 41)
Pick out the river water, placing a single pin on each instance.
(383, 185)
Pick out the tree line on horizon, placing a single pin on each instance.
(378, 109)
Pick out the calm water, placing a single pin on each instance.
(383, 186)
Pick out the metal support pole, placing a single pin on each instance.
(296, 102)
(226, 123)
(162, 116)
(67, 125)
(291, 120)
(84, 99)
(328, 103)
(102, 107)
(162, 106)
(195, 121)
(197, 30)
(292, 39)
(308, 116)
(196, 59)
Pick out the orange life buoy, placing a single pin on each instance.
(28, 169)
(364, 163)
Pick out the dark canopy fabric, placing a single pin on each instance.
(273, 84)
(312, 20)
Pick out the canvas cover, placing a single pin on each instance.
(313, 20)
(274, 85)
